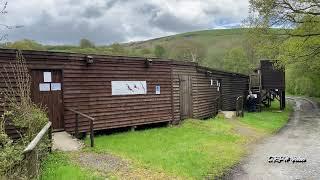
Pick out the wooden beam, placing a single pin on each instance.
(77, 123)
(81, 114)
(36, 140)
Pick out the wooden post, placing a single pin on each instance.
(32, 163)
(91, 133)
(31, 153)
(282, 100)
(91, 128)
(77, 126)
(50, 139)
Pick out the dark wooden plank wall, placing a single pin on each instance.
(205, 95)
(179, 69)
(88, 88)
(271, 77)
(233, 85)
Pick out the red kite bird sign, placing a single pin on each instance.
(128, 87)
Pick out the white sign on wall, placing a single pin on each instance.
(47, 77)
(44, 87)
(157, 89)
(128, 87)
(56, 86)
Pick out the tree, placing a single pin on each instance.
(300, 23)
(236, 60)
(188, 50)
(118, 49)
(85, 43)
(159, 51)
(297, 39)
(145, 51)
(26, 44)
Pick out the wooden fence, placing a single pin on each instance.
(31, 153)
(91, 121)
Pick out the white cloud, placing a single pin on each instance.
(107, 21)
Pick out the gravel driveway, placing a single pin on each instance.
(299, 138)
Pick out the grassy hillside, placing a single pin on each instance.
(216, 43)
(211, 44)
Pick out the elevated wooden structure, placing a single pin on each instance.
(268, 83)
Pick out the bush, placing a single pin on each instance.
(11, 158)
(300, 82)
(23, 114)
(26, 44)
(159, 51)
(85, 43)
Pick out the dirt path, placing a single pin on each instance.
(299, 138)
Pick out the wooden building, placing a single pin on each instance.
(268, 82)
(124, 91)
(199, 92)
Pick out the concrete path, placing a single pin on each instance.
(299, 138)
(65, 142)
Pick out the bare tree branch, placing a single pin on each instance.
(3, 10)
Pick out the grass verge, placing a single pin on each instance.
(190, 150)
(270, 120)
(194, 150)
(58, 165)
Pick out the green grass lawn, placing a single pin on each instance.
(269, 120)
(193, 150)
(58, 165)
(190, 150)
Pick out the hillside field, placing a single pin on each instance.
(213, 44)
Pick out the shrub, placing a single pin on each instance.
(23, 114)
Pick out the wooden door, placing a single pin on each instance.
(185, 97)
(46, 91)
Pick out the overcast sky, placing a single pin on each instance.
(108, 21)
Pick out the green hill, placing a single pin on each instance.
(216, 43)
(209, 47)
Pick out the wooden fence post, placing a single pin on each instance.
(50, 139)
(32, 164)
(91, 133)
(31, 152)
(77, 125)
(91, 128)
